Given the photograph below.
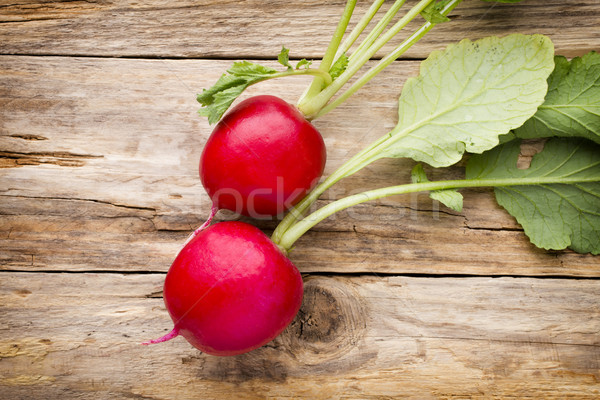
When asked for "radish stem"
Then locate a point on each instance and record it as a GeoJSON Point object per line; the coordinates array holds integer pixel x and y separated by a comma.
{"type": "Point", "coordinates": [387, 60]}
{"type": "Point", "coordinates": [317, 73]}
{"type": "Point", "coordinates": [347, 169]}
{"type": "Point", "coordinates": [365, 156]}
{"type": "Point", "coordinates": [295, 232]}
{"type": "Point", "coordinates": [312, 105]}
{"type": "Point", "coordinates": [376, 32]}
{"type": "Point", "coordinates": [336, 68]}
{"type": "Point", "coordinates": [317, 83]}
{"type": "Point", "coordinates": [359, 28]}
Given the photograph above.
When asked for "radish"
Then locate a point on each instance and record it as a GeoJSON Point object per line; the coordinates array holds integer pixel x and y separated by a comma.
{"type": "Point", "coordinates": [262, 158]}
{"type": "Point", "coordinates": [231, 290]}
{"type": "Point", "coordinates": [265, 155]}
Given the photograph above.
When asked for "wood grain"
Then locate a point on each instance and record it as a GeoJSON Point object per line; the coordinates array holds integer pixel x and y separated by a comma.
{"type": "Point", "coordinates": [101, 156]}
{"type": "Point", "coordinates": [255, 28]}
{"type": "Point", "coordinates": [99, 147]}
{"type": "Point", "coordinates": [355, 337]}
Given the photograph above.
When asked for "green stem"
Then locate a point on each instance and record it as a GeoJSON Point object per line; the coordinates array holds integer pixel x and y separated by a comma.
{"type": "Point", "coordinates": [308, 71]}
{"type": "Point", "coordinates": [359, 28]}
{"type": "Point", "coordinates": [356, 163]}
{"type": "Point", "coordinates": [345, 170]}
{"type": "Point", "coordinates": [317, 84]}
{"type": "Point", "coordinates": [398, 26]}
{"type": "Point", "coordinates": [365, 156]}
{"type": "Point", "coordinates": [329, 56]}
{"type": "Point", "coordinates": [310, 106]}
{"type": "Point", "coordinates": [386, 61]}
{"type": "Point", "coordinates": [295, 232]}
{"type": "Point", "coordinates": [376, 31]}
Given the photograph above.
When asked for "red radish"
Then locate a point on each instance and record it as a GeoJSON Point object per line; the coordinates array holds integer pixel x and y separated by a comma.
{"type": "Point", "coordinates": [231, 290]}
{"type": "Point", "coordinates": [262, 158]}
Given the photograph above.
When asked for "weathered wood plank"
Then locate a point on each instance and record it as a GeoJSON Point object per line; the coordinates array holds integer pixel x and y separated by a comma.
{"type": "Point", "coordinates": [255, 28]}
{"type": "Point", "coordinates": [100, 173]}
{"type": "Point", "coordinates": [76, 336]}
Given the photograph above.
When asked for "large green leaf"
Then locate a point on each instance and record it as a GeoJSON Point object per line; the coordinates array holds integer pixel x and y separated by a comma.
{"type": "Point", "coordinates": [557, 199]}
{"type": "Point", "coordinates": [468, 95]}
{"type": "Point", "coordinates": [572, 105]}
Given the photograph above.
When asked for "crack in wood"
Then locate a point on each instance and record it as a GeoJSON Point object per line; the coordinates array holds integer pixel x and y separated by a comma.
{"type": "Point", "coordinates": [25, 20]}
{"type": "Point", "coordinates": [33, 6]}
{"type": "Point", "coordinates": [155, 295]}
{"type": "Point", "coordinates": [306, 275]}
{"type": "Point", "coordinates": [495, 340]}
{"type": "Point", "coordinates": [494, 229]}
{"type": "Point", "coordinates": [26, 136]}
{"type": "Point", "coordinates": [422, 210]}
{"type": "Point", "coordinates": [75, 199]}
{"type": "Point", "coordinates": [11, 159]}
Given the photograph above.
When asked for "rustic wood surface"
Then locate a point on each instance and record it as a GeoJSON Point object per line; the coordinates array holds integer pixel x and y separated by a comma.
{"type": "Point", "coordinates": [355, 337]}
{"type": "Point", "coordinates": [99, 146]}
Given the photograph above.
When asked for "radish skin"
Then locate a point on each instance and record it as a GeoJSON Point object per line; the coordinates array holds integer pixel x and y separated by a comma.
{"type": "Point", "coordinates": [262, 158]}
{"type": "Point", "coordinates": [231, 290]}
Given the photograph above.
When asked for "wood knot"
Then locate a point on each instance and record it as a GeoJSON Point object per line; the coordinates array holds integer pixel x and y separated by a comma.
{"type": "Point", "coordinates": [320, 317]}
{"type": "Point", "coordinates": [22, 292]}
{"type": "Point", "coordinates": [330, 323]}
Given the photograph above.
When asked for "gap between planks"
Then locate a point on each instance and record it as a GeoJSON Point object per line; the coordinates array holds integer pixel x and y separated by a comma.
{"type": "Point", "coordinates": [254, 58]}
{"type": "Point", "coordinates": [324, 274]}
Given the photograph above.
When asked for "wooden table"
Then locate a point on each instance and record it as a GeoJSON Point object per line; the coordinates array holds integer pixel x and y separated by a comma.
{"type": "Point", "coordinates": [404, 298]}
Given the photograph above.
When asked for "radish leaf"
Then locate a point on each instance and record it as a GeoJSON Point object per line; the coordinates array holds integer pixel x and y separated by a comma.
{"type": "Point", "coordinates": [284, 58]}
{"type": "Point", "coordinates": [432, 13]}
{"type": "Point", "coordinates": [250, 70]}
{"type": "Point", "coordinates": [219, 97]}
{"type": "Point", "coordinates": [572, 105]}
{"type": "Point", "coordinates": [304, 63]}
{"type": "Point", "coordinates": [562, 212]}
{"type": "Point", "coordinates": [339, 66]}
{"type": "Point", "coordinates": [448, 197]}
{"type": "Point", "coordinates": [468, 95]}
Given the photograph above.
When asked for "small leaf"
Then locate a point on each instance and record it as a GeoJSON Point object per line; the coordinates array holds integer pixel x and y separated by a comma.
{"type": "Point", "coordinates": [221, 102]}
{"type": "Point", "coordinates": [339, 66]}
{"type": "Point", "coordinates": [418, 175]}
{"type": "Point", "coordinates": [207, 97]}
{"type": "Point", "coordinates": [432, 13]}
{"type": "Point", "coordinates": [217, 100]}
{"type": "Point", "coordinates": [304, 63]}
{"type": "Point", "coordinates": [284, 58]}
{"type": "Point", "coordinates": [448, 197]}
{"type": "Point", "coordinates": [248, 69]}
{"type": "Point", "coordinates": [468, 95]}
{"type": "Point", "coordinates": [562, 212]}
{"type": "Point", "coordinates": [572, 105]}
